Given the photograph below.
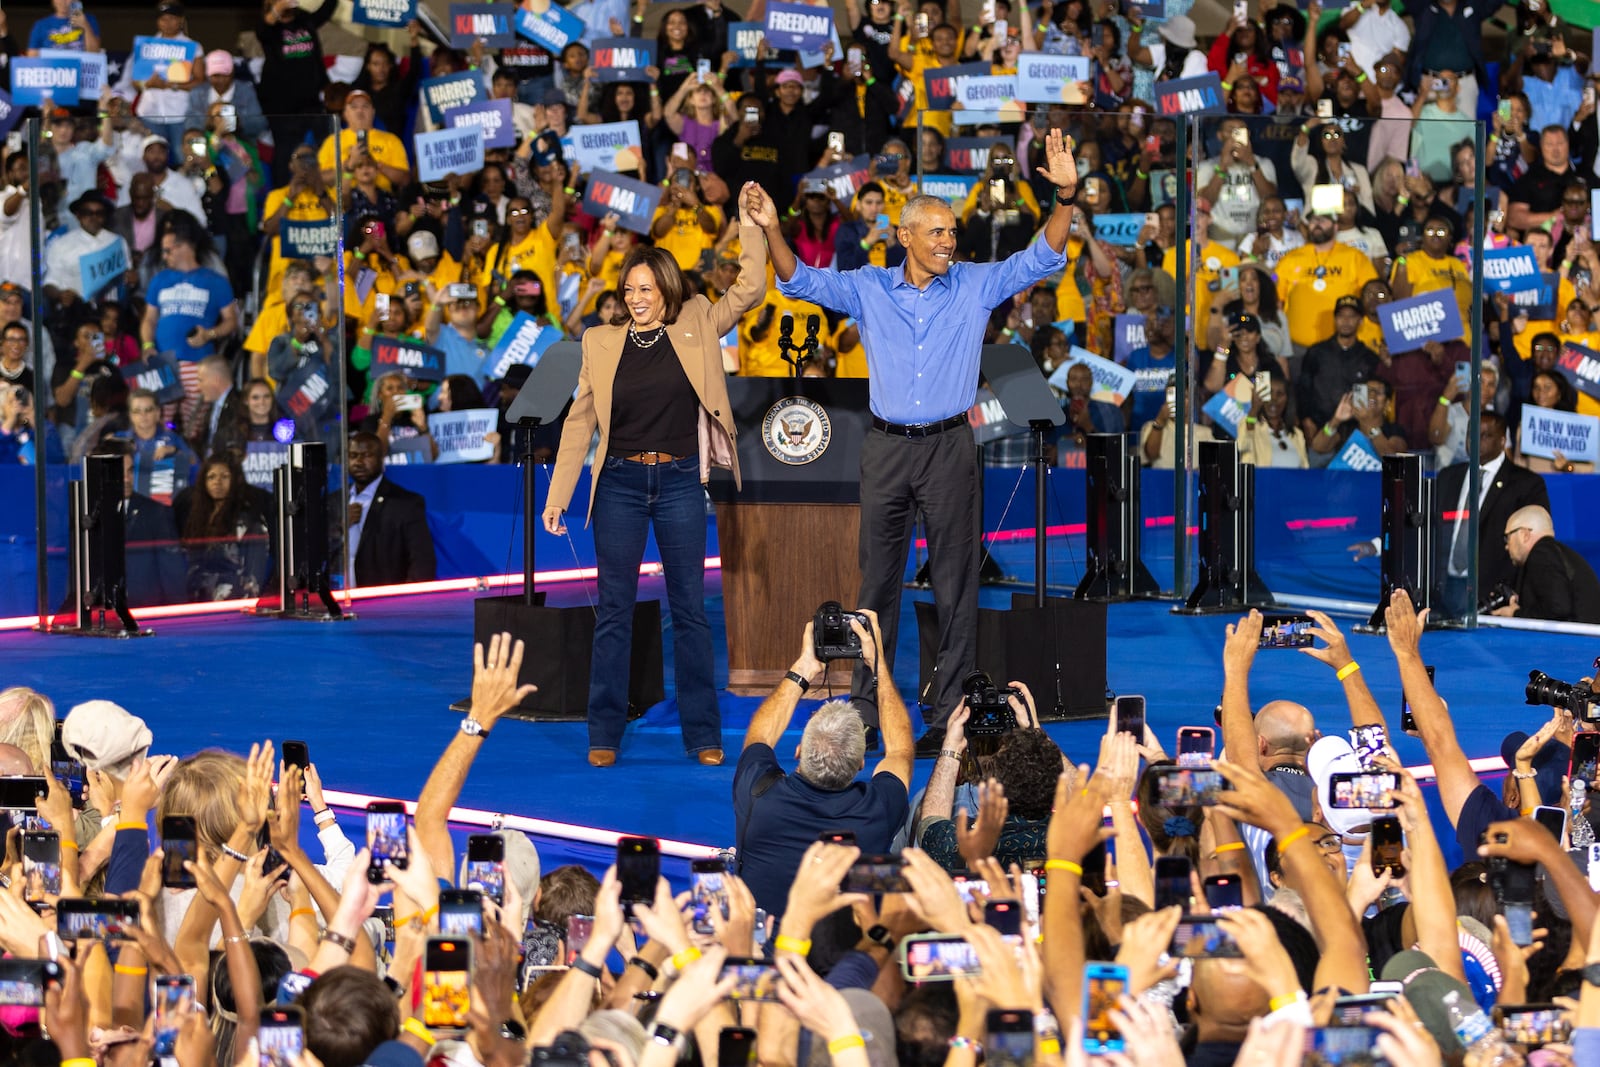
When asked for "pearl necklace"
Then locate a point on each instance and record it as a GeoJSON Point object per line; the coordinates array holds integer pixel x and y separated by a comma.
{"type": "Point", "coordinates": [633, 332]}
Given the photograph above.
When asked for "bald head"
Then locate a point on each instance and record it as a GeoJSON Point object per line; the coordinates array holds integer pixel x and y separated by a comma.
{"type": "Point", "coordinates": [1525, 528]}
{"type": "Point", "coordinates": [1224, 998]}
{"type": "Point", "coordinates": [1285, 729]}
{"type": "Point", "coordinates": [14, 761]}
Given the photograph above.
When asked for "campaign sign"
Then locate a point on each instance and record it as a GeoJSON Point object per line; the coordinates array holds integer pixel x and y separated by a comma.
{"type": "Point", "coordinates": [800, 26]}
{"type": "Point", "coordinates": [261, 458]}
{"type": "Point", "coordinates": [1127, 336]}
{"type": "Point", "coordinates": [622, 59]}
{"type": "Point", "coordinates": [595, 147]}
{"type": "Point", "coordinates": [409, 451]}
{"type": "Point", "coordinates": [1540, 303]}
{"type": "Point", "coordinates": [843, 179]}
{"type": "Point", "coordinates": [1119, 229]}
{"type": "Point", "coordinates": [1546, 431]}
{"type": "Point", "coordinates": [489, 23]}
{"type": "Point", "coordinates": [745, 38]}
{"type": "Point", "coordinates": [1113, 382]}
{"type": "Point", "coordinates": [307, 238]}
{"type": "Point", "coordinates": [819, 57]}
{"type": "Point", "coordinates": [1163, 187]}
{"type": "Point", "coordinates": [1357, 455]}
{"type": "Point", "coordinates": [1046, 79]}
{"type": "Point", "coordinates": [91, 69]}
{"type": "Point", "coordinates": [1407, 324]}
{"type": "Point", "coordinates": [524, 341]}
{"type": "Point", "coordinates": [459, 434]}
{"type": "Point", "coordinates": [987, 417]}
{"type": "Point", "coordinates": [102, 267]}
{"type": "Point", "coordinates": [1230, 404]}
{"type": "Point", "coordinates": [450, 90]}
{"type": "Point", "coordinates": [952, 187]}
{"type": "Point", "coordinates": [970, 155]}
{"type": "Point", "coordinates": [553, 29]}
{"type": "Point", "coordinates": [307, 394]}
{"type": "Point", "coordinates": [35, 80]}
{"type": "Point", "coordinates": [1582, 367]}
{"type": "Point", "coordinates": [9, 113]}
{"type": "Point", "coordinates": [991, 98]}
{"type": "Point", "coordinates": [422, 362]}
{"type": "Point", "coordinates": [1511, 270]}
{"type": "Point", "coordinates": [393, 14]}
{"type": "Point", "coordinates": [493, 117]}
{"type": "Point", "coordinates": [158, 373]}
{"type": "Point", "coordinates": [943, 84]}
{"type": "Point", "coordinates": [153, 56]}
{"type": "Point", "coordinates": [1200, 95]}
{"type": "Point", "coordinates": [633, 201]}
{"type": "Point", "coordinates": [445, 152]}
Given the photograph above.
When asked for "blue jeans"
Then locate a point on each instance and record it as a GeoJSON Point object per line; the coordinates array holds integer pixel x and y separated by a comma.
{"type": "Point", "coordinates": [628, 498]}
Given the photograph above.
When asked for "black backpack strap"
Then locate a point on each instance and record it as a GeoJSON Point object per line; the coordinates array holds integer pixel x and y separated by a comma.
{"type": "Point", "coordinates": [757, 791]}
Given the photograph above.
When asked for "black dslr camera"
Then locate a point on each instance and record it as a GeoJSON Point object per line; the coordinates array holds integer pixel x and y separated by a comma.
{"type": "Point", "coordinates": [989, 711]}
{"type": "Point", "coordinates": [1575, 697]}
{"type": "Point", "coordinates": [831, 635]}
{"type": "Point", "coordinates": [1497, 598]}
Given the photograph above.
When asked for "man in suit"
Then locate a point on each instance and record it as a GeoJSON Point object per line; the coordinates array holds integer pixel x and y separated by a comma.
{"type": "Point", "coordinates": [1553, 581]}
{"type": "Point", "coordinates": [138, 222]}
{"type": "Point", "coordinates": [223, 403]}
{"type": "Point", "coordinates": [389, 539]}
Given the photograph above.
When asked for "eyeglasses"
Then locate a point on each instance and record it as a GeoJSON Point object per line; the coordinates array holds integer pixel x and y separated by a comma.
{"type": "Point", "coordinates": [1328, 135]}
{"type": "Point", "coordinates": [1575, 201]}
{"type": "Point", "coordinates": [516, 211]}
{"type": "Point", "coordinates": [1330, 844]}
{"type": "Point", "coordinates": [1506, 537]}
{"type": "Point", "coordinates": [1436, 233]}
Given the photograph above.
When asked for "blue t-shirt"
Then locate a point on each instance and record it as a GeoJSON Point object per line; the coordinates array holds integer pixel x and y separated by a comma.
{"type": "Point", "coordinates": [461, 355]}
{"type": "Point", "coordinates": [53, 31]}
{"type": "Point", "coordinates": [1150, 388]}
{"type": "Point", "coordinates": [186, 299]}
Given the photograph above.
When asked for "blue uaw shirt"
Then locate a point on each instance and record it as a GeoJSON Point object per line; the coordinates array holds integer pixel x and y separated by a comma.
{"type": "Point", "coordinates": [923, 345]}
{"type": "Point", "coordinates": [187, 299]}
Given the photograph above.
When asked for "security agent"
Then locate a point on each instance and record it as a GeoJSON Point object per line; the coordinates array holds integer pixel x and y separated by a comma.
{"type": "Point", "coordinates": [1553, 581]}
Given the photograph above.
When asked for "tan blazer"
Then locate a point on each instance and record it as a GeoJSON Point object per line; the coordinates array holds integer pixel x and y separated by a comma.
{"type": "Point", "coordinates": [697, 338]}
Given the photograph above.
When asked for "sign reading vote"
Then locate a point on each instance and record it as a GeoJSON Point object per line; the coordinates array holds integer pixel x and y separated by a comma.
{"type": "Point", "coordinates": [1546, 431]}
{"type": "Point", "coordinates": [1121, 230]}
{"type": "Point", "coordinates": [552, 29]}
{"type": "Point", "coordinates": [460, 434]}
{"type": "Point", "coordinates": [943, 84]}
{"type": "Point", "coordinates": [308, 238]}
{"type": "Point", "coordinates": [157, 372]}
{"type": "Point", "coordinates": [622, 59]}
{"type": "Point", "coordinates": [1511, 270]}
{"type": "Point", "coordinates": [970, 155]}
{"type": "Point", "coordinates": [493, 117]}
{"type": "Point", "coordinates": [595, 147]}
{"type": "Point", "coordinates": [1127, 336]}
{"type": "Point", "coordinates": [1200, 95]}
{"type": "Point", "coordinates": [91, 69]}
{"type": "Point", "coordinates": [1582, 367]}
{"type": "Point", "coordinates": [33, 81]}
{"type": "Point", "coordinates": [1407, 324]}
{"type": "Point", "coordinates": [744, 38]}
{"type": "Point", "coordinates": [154, 56]}
{"type": "Point", "coordinates": [799, 26]}
{"type": "Point", "coordinates": [951, 187]}
{"type": "Point", "coordinates": [393, 14]}
{"type": "Point", "coordinates": [489, 23]}
{"type": "Point", "coordinates": [1113, 382]}
{"type": "Point", "coordinates": [450, 90]}
{"type": "Point", "coordinates": [446, 152]}
{"type": "Point", "coordinates": [102, 267]}
{"type": "Point", "coordinates": [524, 341]}
{"type": "Point", "coordinates": [633, 201]}
{"type": "Point", "coordinates": [411, 357]}
{"type": "Point", "coordinates": [842, 179]}
{"type": "Point", "coordinates": [1048, 79]}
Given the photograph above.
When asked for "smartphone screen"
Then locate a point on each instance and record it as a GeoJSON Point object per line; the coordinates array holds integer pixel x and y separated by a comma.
{"type": "Point", "coordinates": [876, 874]}
{"type": "Point", "coordinates": [486, 866]}
{"type": "Point", "coordinates": [1130, 716]}
{"type": "Point", "coordinates": [756, 979]}
{"type": "Point", "coordinates": [1533, 1025]}
{"type": "Point", "coordinates": [22, 793]}
{"type": "Point", "coordinates": [386, 838]}
{"type": "Point", "coordinates": [97, 920]}
{"type": "Point", "coordinates": [174, 1000]}
{"type": "Point", "coordinates": [1408, 721]}
{"type": "Point", "coordinates": [1586, 756]}
{"type": "Point", "coordinates": [41, 865]}
{"type": "Point", "coordinates": [1196, 745]}
{"type": "Point", "coordinates": [1010, 1042]}
{"type": "Point", "coordinates": [579, 930]}
{"type": "Point", "coordinates": [1551, 818]}
{"type": "Point", "coordinates": [937, 958]}
{"type": "Point", "coordinates": [177, 847]}
{"type": "Point", "coordinates": [1004, 916]}
{"type": "Point", "coordinates": [638, 867]}
{"type": "Point", "coordinates": [296, 754]}
{"type": "Point", "coordinates": [1519, 919]}
{"type": "Point", "coordinates": [445, 998]}
{"type": "Point", "coordinates": [281, 1036]}
{"type": "Point", "coordinates": [1182, 787]}
{"type": "Point", "coordinates": [736, 1047]}
{"type": "Point", "coordinates": [1224, 891]}
{"type": "Point", "coordinates": [706, 892]}
{"type": "Point", "coordinates": [1103, 984]}
{"type": "Point", "coordinates": [1339, 1045]}
{"type": "Point", "coordinates": [461, 913]}
{"type": "Point", "coordinates": [1199, 937]}
{"type": "Point", "coordinates": [1387, 841]}
{"type": "Point", "coordinates": [1362, 789]}
{"type": "Point", "coordinates": [1286, 631]}
{"type": "Point", "coordinates": [1172, 882]}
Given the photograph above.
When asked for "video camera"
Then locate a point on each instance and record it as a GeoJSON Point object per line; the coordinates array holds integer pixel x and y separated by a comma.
{"type": "Point", "coordinates": [1576, 697]}
{"type": "Point", "coordinates": [990, 713]}
{"type": "Point", "coordinates": [831, 635]}
{"type": "Point", "coordinates": [1496, 598]}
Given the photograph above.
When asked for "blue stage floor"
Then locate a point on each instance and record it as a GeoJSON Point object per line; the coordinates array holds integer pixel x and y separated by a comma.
{"type": "Point", "coordinates": [371, 697]}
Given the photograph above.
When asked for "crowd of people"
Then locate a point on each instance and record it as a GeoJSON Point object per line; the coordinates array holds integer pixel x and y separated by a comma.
{"type": "Point", "coordinates": [1025, 905]}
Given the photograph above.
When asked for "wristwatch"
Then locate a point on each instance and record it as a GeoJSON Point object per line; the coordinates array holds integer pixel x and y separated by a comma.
{"type": "Point", "coordinates": [514, 1030]}
{"type": "Point", "coordinates": [662, 1034]}
{"type": "Point", "coordinates": [473, 728]}
{"type": "Point", "coordinates": [879, 935]}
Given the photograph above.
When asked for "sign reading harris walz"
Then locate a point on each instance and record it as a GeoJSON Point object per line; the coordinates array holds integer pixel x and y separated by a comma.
{"type": "Point", "coordinates": [1200, 95]}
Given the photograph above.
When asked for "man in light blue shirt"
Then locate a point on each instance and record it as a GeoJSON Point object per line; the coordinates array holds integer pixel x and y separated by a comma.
{"type": "Point", "coordinates": [598, 16]}
{"type": "Point", "coordinates": [922, 325]}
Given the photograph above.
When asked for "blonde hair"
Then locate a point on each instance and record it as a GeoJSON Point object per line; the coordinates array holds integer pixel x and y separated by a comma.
{"type": "Point", "coordinates": [28, 721]}
{"type": "Point", "coordinates": [206, 786]}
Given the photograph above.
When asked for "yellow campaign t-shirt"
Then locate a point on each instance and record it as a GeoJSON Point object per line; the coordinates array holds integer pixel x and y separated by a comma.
{"type": "Point", "coordinates": [850, 361]}
{"type": "Point", "coordinates": [535, 252]}
{"type": "Point", "coordinates": [382, 145]}
{"type": "Point", "coordinates": [762, 359]}
{"type": "Point", "coordinates": [306, 208]}
{"type": "Point", "coordinates": [387, 281]}
{"type": "Point", "coordinates": [924, 60]}
{"type": "Point", "coordinates": [1428, 274]}
{"type": "Point", "coordinates": [1309, 309]}
{"type": "Point", "coordinates": [1207, 279]}
{"type": "Point", "coordinates": [1370, 333]}
{"type": "Point", "coordinates": [687, 238]}
{"type": "Point", "coordinates": [1022, 193]}
{"type": "Point", "coordinates": [894, 200]}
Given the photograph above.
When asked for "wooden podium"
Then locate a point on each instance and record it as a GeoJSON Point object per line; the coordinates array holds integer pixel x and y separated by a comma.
{"type": "Point", "coordinates": [789, 538]}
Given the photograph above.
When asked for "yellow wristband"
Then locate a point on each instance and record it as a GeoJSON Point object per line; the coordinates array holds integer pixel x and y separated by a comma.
{"type": "Point", "coordinates": [1231, 846]}
{"type": "Point", "coordinates": [132, 826]}
{"type": "Point", "coordinates": [1049, 1046]}
{"type": "Point", "coordinates": [1283, 846]}
{"type": "Point", "coordinates": [70, 844]}
{"type": "Point", "coordinates": [1064, 865]}
{"type": "Point", "coordinates": [415, 1028]}
{"type": "Point", "coordinates": [313, 913]}
{"type": "Point", "coordinates": [1278, 1003]}
{"type": "Point", "coordinates": [785, 943]}
{"type": "Point", "coordinates": [839, 1044]}
{"type": "Point", "coordinates": [680, 960]}
{"type": "Point", "coordinates": [137, 972]}
{"type": "Point", "coordinates": [81, 1061]}
{"type": "Point", "coordinates": [1347, 670]}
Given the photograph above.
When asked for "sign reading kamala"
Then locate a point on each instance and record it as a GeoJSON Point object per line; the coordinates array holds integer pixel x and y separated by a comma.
{"type": "Point", "coordinates": [489, 23]}
{"type": "Point", "coordinates": [1540, 302]}
{"type": "Point", "coordinates": [152, 56]}
{"type": "Point", "coordinates": [943, 84]}
{"type": "Point", "coordinates": [1546, 431]}
{"type": "Point", "coordinates": [158, 372]}
{"type": "Point", "coordinates": [9, 113]}
{"type": "Point", "coordinates": [1200, 95]}
{"type": "Point", "coordinates": [1582, 367]}
{"type": "Point", "coordinates": [595, 147]}
{"type": "Point", "coordinates": [951, 187]}
{"type": "Point", "coordinates": [1511, 270]}
{"type": "Point", "coordinates": [91, 69]}
{"type": "Point", "coordinates": [493, 117]}
{"type": "Point", "coordinates": [634, 202]}
{"type": "Point", "coordinates": [745, 38]}
{"type": "Point", "coordinates": [420, 361]}
{"type": "Point", "coordinates": [970, 155]}
{"type": "Point", "coordinates": [460, 434]}
{"type": "Point", "coordinates": [306, 394]}
{"type": "Point", "coordinates": [1407, 324]}
{"type": "Point", "coordinates": [451, 90]}
{"type": "Point", "coordinates": [101, 268]}
{"type": "Point", "coordinates": [622, 59]}
{"type": "Point", "coordinates": [801, 26]}
{"type": "Point", "coordinates": [843, 179]}
{"type": "Point", "coordinates": [307, 238]}
{"type": "Point", "coordinates": [524, 341]}
{"type": "Point", "coordinates": [35, 80]}
{"type": "Point", "coordinates": [445, 152]}
{"type": "Point", "coordinates": [391, 13]}
{"type": "Point", "coordinates": [1047, 79]}
{"type": "Point", "coordinates": [1357, 455]}
{"type": "Point", "coordinates": [552, 29]}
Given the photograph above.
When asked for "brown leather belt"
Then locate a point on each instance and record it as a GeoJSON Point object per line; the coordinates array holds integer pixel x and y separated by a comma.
{"type": "Point", "coordinates": [652, 459]}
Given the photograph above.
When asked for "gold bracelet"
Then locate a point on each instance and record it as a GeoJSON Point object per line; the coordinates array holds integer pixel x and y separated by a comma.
{"type": "Point", "coordinates": [1283, 846]}
{"type": "Point", "coordinates": [1347, 670]}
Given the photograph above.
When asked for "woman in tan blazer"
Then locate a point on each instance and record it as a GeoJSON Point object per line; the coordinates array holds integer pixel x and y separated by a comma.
{"type": "Point", "coordinates": [652, 385]}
